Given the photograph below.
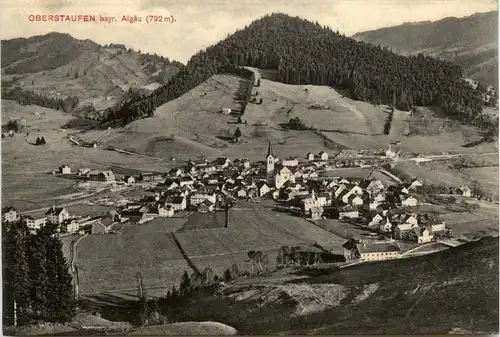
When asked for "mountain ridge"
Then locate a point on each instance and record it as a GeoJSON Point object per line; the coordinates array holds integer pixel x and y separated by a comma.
{"type": "Point", "coordinates": [57, 65]}
{"type": "Point", "coordinates": [470, 42]}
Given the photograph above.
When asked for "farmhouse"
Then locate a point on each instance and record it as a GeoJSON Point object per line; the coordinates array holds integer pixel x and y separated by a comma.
{"type": "Point", "coordinates": [103, 176]}
{"type": "Point", "coordinates": [129, 180]}
{"type": "Point", "coordinates": [65, 169]}
{"type": "Point", "coordinates": [377, 251]}
{"type": "Point", "coordinates": [226, 111]}
{"type": "Point", "coordinates": [290, 162]}
{"type": "Point", "coordinates": [402, 230]}
{"type": "Point", "coordinates": [34, 223]}
{"type": "Point", "coordinates": [222, 163]}
{"type": "Point", "coordinates": [420, 235]}
{"type": "Point", "coordinates": [177, 203]}
{"type": "Point", "coordinates": [414, 184]}
{"type": "Point", "coordinates": [351, 214]}
{"type": "Point", "coordinates": [316, 213]}
{"type": "Point", "coordinates": [83, 172]}
{"type": "Point", "coordinates": [150, 176]}
{"type": "Point", "coordinates": [323, 155]}
{"type": "Point", "coordinates": [9, 214]}
{"type": "Point", "coordinates": [262, 188]}
{"type": "Point", "coordinates": [69, 226]}
{"type": "Point", "coordinates": [437, 228]}
{"type": "Point", "coordinates": [206, 206]}
{"type": "Point", "coordinates": [409, 202]}
{"type": "Point", "coordinates": [310, 156]}
{"type": "Point", "coordinates": [57, 215]}
{"type": "Point", "coordinates": [165, 212]}
{"type": "Point", "coordinates": [198, 198]}
{"type": "Point", "coordinates": [282, 175]}
{"type": "Point", "coordinates": [466, 191]}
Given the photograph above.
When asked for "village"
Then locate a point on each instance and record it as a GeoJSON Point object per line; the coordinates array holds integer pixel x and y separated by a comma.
{"type": "Point", "coordinates": [302, 188]}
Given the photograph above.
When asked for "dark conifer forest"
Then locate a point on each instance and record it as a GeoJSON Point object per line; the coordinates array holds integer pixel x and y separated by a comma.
{"type": "Point", "coordinates": [36, 280]}
{"type": "Point", "coordinates": [304, 52]}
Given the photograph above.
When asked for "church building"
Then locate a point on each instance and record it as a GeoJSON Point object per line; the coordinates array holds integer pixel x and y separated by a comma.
{"type": "Point", "coordinates": [277, 175]}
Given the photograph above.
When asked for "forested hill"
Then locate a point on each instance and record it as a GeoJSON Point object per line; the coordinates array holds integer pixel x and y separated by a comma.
{"type": "Point", "coordinates": [471, 42]}
{"type": "Point", "coordinates": [304, 52]}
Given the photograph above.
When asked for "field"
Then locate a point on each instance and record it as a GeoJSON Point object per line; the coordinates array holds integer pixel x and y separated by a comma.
{"type": "Point", "coordinates": [109, 263]}
{"type": "Point", "coordinates": [472, 226]}
{"type": "Point", "coordinates": [487, 177]}
{"type": "Point", "coordinates": [253, 228]}
{"type": "Point", "coordinates": [26, 179]}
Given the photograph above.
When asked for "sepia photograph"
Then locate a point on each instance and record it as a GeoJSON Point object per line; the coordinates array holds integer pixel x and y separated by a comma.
{"type": "Point", "coordinates": [249, 167]}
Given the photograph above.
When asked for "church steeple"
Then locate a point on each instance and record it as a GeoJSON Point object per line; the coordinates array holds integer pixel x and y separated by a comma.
{"type": "Point", "coordinates": [269, 150]}
{"type": "Point", "coordinates": [270, 165]}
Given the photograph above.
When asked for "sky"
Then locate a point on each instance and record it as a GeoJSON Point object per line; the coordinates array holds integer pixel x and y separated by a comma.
{"type": "Point", "coordinates": [201, 23]}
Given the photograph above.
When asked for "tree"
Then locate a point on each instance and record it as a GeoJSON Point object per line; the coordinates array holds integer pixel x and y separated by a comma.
{"type": "Point", "coordinates": [227, 275]}
{"type": "Point", "coordinates": [237, 133]}
{"type": "Point", "coordinates": [76, 75]}
{"type": "Point", "coordinates": [15, 274]}
{"type": "Point", "coordinates": [185, 285]}
{"type": "Point", "coordinates": [235, 270]}
{"type": "Point", "coordinates": [208, 274]}
{"type": "Point", "coordinates": [60, 296]}
{"type": "Point", "coordinates": [42, 141]}
{"type": "Point", "coordinates": [239, 120]}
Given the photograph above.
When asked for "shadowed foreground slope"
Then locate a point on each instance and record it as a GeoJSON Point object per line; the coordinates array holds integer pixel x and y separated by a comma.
{"type": "Point", "coordinates": [454, 290]}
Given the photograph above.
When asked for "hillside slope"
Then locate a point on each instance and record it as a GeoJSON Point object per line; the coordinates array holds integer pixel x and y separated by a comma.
{"type": "Point", "coordinates": [450, 291]}
{"type": "Point", "coordinates": [303, 52]}
{"type": "Point", "coordinates": [471, 42]}
{"type": "Point", "coordinates": [58, 65]}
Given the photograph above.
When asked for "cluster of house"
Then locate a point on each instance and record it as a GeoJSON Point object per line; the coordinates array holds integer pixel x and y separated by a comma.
{"type": "Point", "coordinates": [66, 223]}
{"type": "Point", "coordinates": [106, 176]}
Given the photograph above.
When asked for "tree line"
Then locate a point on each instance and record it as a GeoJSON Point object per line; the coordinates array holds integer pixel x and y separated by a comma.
{"type": "Point", "coordinates": [26, 97]}
{"type": "Point", "coordinates": [36, 280]}
{"type": "Point", "coordinates": [199, 69]}
{"type": "Point", "coordinates": [304, 52]}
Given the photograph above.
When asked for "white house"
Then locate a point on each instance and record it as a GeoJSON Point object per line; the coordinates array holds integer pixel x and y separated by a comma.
{"type": "Point", "coordinates": [415, 183]}
{"type": "Point", "coordinates": [290, 161]}
{"type": "Point", "coordinates": [165, 212]}
{"type": "Point", "coordinates": [9, 214]}
{"type": "Point", "coordinates": [282, 175]}
{"type": "Point", "coordinates": [440, 227]}
{"type": "Point", "coordinates": [198, 198]}
{"type": "Point", "coordinates": [316, 212]}
{"type": "Point", "coordinates": [65, 169]}
{"type": "Point", "coordinates": [323, 155]}
{"type": "Point", "coordinates": [410, 219]}
{"type": "Point", "coordinates": [35, 223]}
{"type": "Point", "coordinates": [263, 188]}
{"type": "Point", "coordinates": [57, 215]}
{"type": "Point", "coordinates": [226, 111]}
{"type": "Point", "coordinates": [420, 235]}
{"type": "Point", "coordinates": [129, 180]}
{"type": "Point", "coordinates": [409, 202]}
{"type": "Point", "coordinates": [70, 226]}
{"type": "Point", "coordinates": [310, 156]}
{"type": "Point", "coordinates": [375, 220]}
{"type": "Point", "coordinates": [355, 200]}
{"type": "Point", "coordinates": [348, 214]}
{"type": "Point", "coordinates": [324, 199]}
{"type": "Point", "coordinates": [310, 202]}
{"type": "Point", "coordinates": [177, 203]}
{"type": "Point", "coordinates": [466, 191]}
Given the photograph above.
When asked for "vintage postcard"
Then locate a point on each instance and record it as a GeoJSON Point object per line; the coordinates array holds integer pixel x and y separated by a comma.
{"type": "Point", "coordinates": [217, 167]}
